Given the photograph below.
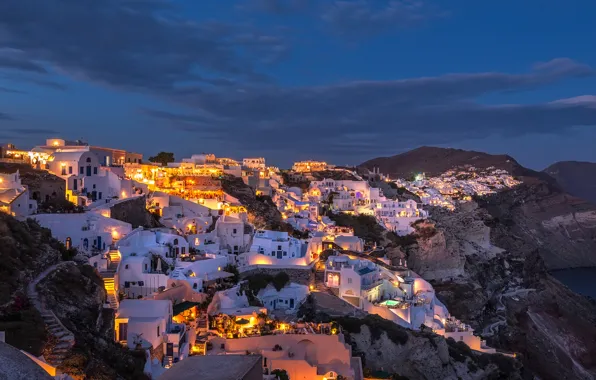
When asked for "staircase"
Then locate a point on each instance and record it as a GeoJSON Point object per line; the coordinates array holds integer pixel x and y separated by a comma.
{"type": "Point", "coordinates": [65, 339]}
{"type": "Point", "coordinates": [108, 278]}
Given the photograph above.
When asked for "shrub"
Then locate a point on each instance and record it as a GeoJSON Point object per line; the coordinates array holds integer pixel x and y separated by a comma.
{"type": "Point", "coordinates": [280, 280]}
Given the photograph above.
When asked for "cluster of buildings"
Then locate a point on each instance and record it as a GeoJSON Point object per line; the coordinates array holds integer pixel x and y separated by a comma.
{"type": "Point", "coordinates": [458, 185]}
{"type": "Point", "coordinates": [158, 279]}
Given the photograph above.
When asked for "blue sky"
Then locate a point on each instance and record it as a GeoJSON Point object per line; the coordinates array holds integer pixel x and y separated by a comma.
{"type": "Point", "coordinates": [343, 81]}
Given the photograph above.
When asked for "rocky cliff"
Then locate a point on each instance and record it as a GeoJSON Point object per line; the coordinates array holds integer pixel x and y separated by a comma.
{"type": "Point", "coordinates": [489, 263]}
{"type": "Point", "coordinates": [576, 178]}
{"type": "Point", "coordinates": [405, 354]}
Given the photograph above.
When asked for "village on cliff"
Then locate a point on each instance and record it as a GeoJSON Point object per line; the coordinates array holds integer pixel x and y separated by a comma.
{"type": "Point", "coordinates": [236, 251]}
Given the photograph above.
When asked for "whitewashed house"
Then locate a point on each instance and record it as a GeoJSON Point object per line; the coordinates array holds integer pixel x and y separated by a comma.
{"type": "Point", "coordinates": [398, 216]}
{"type": "Point", "coordinates": [148, 324]}
{"type": "Point", "coordinates": [14, 196]}
{"type": "Point", "coordinates": [87, 181]}
{"type": "Point", "coordinates": [89, 233]}
{"type": "Point", "coordinates": [232, 234]}
{"type": "Point", "coordinates": [290, 297]}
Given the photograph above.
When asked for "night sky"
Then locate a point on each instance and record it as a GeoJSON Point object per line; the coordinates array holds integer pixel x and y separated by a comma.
{"type": "Point", "coordinates": [343, 81]}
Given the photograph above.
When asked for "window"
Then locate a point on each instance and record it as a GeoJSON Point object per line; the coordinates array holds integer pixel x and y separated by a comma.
{"type": "Point", "coordinates": [141, 283]}
{"type": "Point", "coordinates": [158, 331]}
{"type": "Point", "coordinates": [234, 231]}
{"type": "Point", "coordinates": [183, 250]}
{"type": "Point", "coordinates": [70, 170]}
{"type": "Point", "coordinates": [64, 170]}
{"type": "Point", "coordinates": [95, 170]}
{"type": "Point", "coordinates": [126, 266]}
{"type": "Point", "coordinates": [94, 186]}
{"type": "Point", "coordinates": [349, 280]}
{"type": "Point", "coordinates": [175, 241]}
{"type": "Point", "coordinates": [279, 247]}
{"type": "Point", "coordinates": [126, 284]}
{"type": "Point", "coordinates": [81, 170]}
{"type": "Point", "coordinates": [88, 159]}
{"type": "Point", "coordinates": [145, 266]}
{"type": "Point", "coordinates": [285, 253]}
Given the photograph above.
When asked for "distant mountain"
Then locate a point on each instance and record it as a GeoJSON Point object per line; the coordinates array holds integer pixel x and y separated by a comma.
{"type": "Point", "coordinates": [576, 178]}
{"type": "Point", "coordinates": [434, 161]}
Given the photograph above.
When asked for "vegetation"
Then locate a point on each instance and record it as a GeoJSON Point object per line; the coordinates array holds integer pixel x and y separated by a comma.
{"type": "Point", "coordinates": [280, 374]}
{"type": "Point", "coordinates": [377, 327]}
{"type": "Point", "coordinates": [234, 270]}
{"type": "Point", "coordinates": [162, 158]}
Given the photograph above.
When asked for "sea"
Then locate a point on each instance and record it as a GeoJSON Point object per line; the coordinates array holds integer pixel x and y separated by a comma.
{"type": "Point", "coordinates": [580, 280]}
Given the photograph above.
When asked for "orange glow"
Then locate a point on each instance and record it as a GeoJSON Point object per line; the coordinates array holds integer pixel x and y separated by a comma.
{"type": "Point", "coordinates": [115, 234]}
{"type": "Point", "coordinates": [55, 143]}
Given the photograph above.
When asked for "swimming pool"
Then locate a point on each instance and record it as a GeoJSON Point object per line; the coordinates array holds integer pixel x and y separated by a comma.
{"type": "Point", "coordinates": [390, 303]}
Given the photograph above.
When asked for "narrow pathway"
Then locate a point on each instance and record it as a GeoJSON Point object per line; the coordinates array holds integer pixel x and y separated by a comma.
{"type": "Point", "coordinates": [108, 279]}
{"type": "Point", "coordinates": [64, 337]}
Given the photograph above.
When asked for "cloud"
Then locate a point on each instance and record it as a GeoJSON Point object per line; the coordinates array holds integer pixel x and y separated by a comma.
{"type": "Point", "coordinates": [365, 117]}
{"type": "Point", "coordinates": [5, 116]}
{"type": "Point", "coordinates": [278, 6]}
{"type": "Point", "coordinates": [19, 63]}
{"type": "Point", "coordinates": [31, 131]}
{"type": "Point", "coordinates": [361, 18]}
{"type": "Point", "coordinates": [11, 90]}
{"type": "Point", "coordinates": [134, 45]}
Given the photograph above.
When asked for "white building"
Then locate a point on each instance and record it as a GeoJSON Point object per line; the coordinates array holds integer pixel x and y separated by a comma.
{"type": "Point", "coordinates": [89, 233]}
{"type": "Point", "coordinates": [398, 216]}
{"type": "Point", "coordinates": [14, 196]}
{"type": "Point", "coordinates": [148, 324]}
{"type": "Point", "coordinates": [277, 244]}
{"type": "Point", "coordinates": [232, 235]}
{"type": "Point", "coordinates": [257, 163]}
{"type": "Point", "coordinates": [290, 297]}
{"type": "Point", "coordinates": [86, 180]}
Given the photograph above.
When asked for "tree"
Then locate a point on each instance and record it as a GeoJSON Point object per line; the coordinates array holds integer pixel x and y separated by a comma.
{"type": "Point", "coordinates": [163, 158]}
{"type": "Point", "coordinates": [281, 374]}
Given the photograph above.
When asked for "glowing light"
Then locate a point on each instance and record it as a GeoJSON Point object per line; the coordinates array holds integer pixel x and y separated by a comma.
{"type": "Point", "coordinates": [219, 268]}
{"type": "Point", "coordinates": [115, 234]}
{"type": "Point", "coordinates": [123, 194]}
{"type": "Point", "coordinates": [312, 287]}
{"type": "Point", "coordinates": [55, 143]}
{"type": "Point", "coordinates": [63, 164]}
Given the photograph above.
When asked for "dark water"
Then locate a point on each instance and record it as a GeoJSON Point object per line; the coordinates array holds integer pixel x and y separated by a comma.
{"type": "Point", "coordinates": [580, 280]}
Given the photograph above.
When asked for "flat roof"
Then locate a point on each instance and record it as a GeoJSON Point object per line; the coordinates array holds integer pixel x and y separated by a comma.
{"type": "Point", "coordinates": [212, 367]}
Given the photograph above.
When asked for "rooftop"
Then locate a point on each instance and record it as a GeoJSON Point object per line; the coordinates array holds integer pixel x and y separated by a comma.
{"type": "Point", "coordinates": [213, 367]}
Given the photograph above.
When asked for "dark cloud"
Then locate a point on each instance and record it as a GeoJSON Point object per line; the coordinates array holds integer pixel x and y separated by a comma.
{"type": "Point", "coordinates": [367, 116]}
{"type": "Point", "coordinates": [31, 131]}
{"type": "Point", "coordinates": [19, 63]}
{"type": "Point", "coordinates": [11, 90]}
{"type": "Point", "coordinates": [360, 18]}
{"type": "Point", "coordinates": [278, 6]}
{"type": "Point", "coordinates": [138, 45]}
{"type": "Point", "coordinates": [5, 116]}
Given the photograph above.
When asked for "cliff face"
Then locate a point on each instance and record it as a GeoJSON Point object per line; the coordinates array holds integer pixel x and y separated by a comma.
{"type": "Point", "coordinates": [489, 262]}
{"type": "Point", "coordinates": [384, 346]}
{"type": "Point", "coordinates": [576, 178]}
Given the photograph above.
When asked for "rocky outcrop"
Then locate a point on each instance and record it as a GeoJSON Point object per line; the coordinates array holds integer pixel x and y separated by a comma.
{"type": "Point", "coordinates": [262, 212]}
{"type": "Point", "coordinates": [504, 290]}
{"type": "Point", "coordinates": [134, 211]}
{"type": "Point", "coordinates": [385, 346]}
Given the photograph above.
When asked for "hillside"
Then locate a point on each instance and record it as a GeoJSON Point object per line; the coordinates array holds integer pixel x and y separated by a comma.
{"type": "Point", "coordinates": [433, 161]}
{"type": "Point", "coordinates": [576, 178]}
{"type": "Point", "coordinates": [489, 260]}
{"type": "Point", "coordinates": [29, 256]}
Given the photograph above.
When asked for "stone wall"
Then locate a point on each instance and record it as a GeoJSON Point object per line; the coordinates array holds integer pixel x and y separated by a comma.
{"type": "Point", "coordinates": [133, 211]}
{"type": "Point", "coordinates": [304, 276]}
